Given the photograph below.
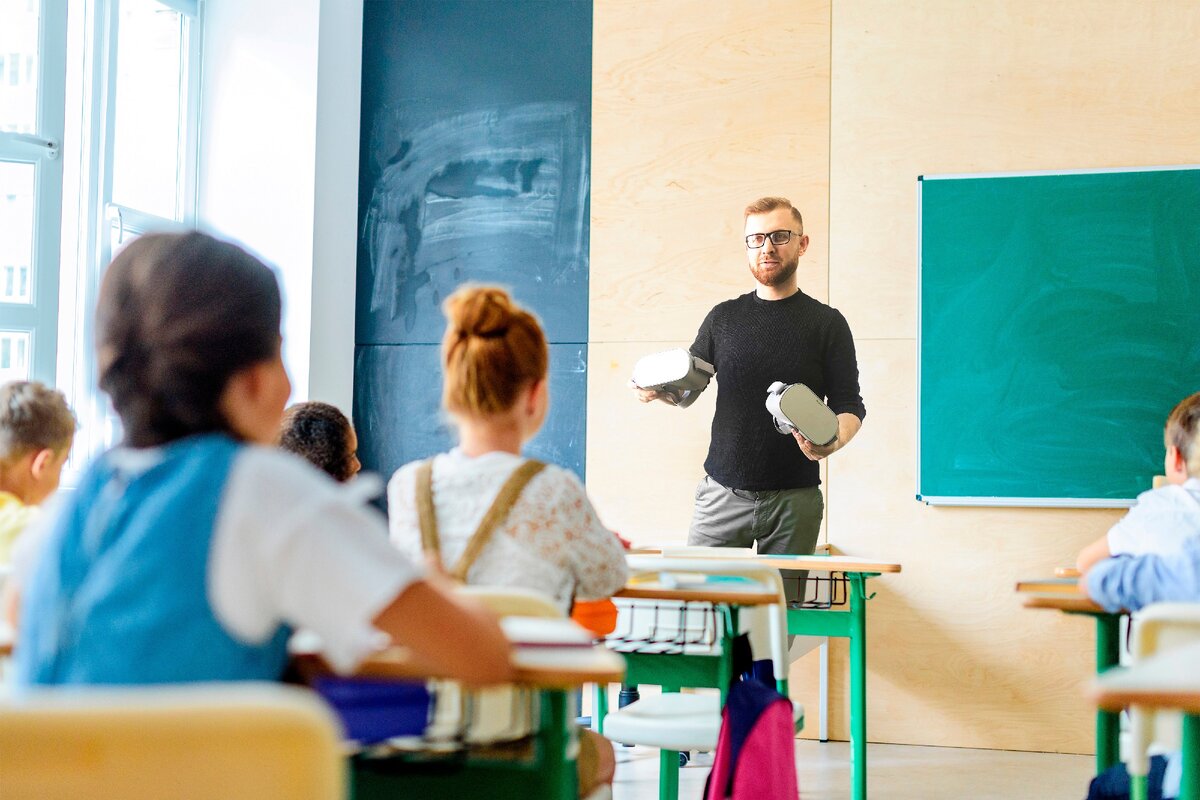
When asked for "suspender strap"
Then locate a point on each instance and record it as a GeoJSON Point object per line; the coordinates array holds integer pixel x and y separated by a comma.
{"type": "Point", "coordinates": [425, 513]}
{"type": "Point", "coordinates": [495, 515]}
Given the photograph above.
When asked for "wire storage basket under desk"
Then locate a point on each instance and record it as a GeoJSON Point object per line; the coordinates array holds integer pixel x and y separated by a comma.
{"type": "Point", "coordinates": [666, 627]}
{"type": "Point", "coordinates": [823, 590]}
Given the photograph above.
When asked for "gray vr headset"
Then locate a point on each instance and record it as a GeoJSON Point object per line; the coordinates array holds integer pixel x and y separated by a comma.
{"type": "Point", "coordinates": [676, 373]}
{"type": "Point", "coordinates": [795, 408]}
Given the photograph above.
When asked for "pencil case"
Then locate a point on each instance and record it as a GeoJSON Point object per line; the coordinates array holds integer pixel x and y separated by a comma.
{"type": "Point", "coordinates": [374, 710]}
{"type": "Point", "coordinates": [794, 407]}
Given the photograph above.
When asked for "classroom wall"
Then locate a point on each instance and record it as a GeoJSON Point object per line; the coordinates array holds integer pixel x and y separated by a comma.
{"type": "Point", "coordinates": [840, 107]}
{"type": "Point", "coordinates": [278, 166]}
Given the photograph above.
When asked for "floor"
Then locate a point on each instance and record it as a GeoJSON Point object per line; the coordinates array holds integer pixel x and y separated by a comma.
{"type": "Point", "coordinates": [896, 772]}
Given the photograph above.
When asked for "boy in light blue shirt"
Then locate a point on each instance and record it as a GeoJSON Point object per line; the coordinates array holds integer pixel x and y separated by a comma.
{"type": "Point", "coordinates": [1129, 582]}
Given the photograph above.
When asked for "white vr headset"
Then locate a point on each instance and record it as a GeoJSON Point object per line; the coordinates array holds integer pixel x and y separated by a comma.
{"type": "Point", "coordinates": [795, 408]}
{"type": "Point", "coordinates": [676, 373]}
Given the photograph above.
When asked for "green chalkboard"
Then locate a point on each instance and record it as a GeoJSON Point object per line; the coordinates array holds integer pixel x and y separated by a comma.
{"type": "Point", "coordinates": [1059, 324]}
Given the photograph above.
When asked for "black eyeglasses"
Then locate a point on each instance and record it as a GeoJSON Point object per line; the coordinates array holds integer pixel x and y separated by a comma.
{"type": "Point", "coordinates": [757, 240]}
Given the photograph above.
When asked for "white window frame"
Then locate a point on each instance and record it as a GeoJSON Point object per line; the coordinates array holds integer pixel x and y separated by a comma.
{"type": "Point", "coordinates": [99, 216]}
{"type": "Point", "coordinates": [43, 149]}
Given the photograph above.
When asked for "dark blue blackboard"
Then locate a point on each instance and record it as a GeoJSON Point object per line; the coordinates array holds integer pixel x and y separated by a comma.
{"type": "Point", "coordinates": [474, 166]}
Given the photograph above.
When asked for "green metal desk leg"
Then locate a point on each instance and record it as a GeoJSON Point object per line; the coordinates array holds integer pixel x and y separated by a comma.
{"type": "Point", "coordinates": [1189, 788]}
{"type": "Point", "coordinates": [858, 685]}
{"type": "Point", "coordinates": [1108, 726]}
{"type": "Point", "coordinates": [599, 707]}
{"type": "Point", "coordinates": [561, 778]}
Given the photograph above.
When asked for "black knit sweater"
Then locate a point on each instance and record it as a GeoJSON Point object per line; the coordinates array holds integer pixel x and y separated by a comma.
{"type": "Point", "coordinates": [753, 343]}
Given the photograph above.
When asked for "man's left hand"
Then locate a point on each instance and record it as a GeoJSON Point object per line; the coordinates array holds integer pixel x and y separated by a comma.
{"type": "Point", "coordinates": [815, 452]}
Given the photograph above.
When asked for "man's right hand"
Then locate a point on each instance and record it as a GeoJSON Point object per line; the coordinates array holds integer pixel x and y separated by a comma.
{"type": "Point", "coordinates": [646, 395]}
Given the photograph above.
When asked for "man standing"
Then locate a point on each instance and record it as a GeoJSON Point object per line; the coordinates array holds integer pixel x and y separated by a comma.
{"type": "Point", "coordinates": [761, 487]}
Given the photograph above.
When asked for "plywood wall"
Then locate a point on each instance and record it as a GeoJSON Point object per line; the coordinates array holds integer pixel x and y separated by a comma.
{"type": "Point", "coordinates": [700, 106]}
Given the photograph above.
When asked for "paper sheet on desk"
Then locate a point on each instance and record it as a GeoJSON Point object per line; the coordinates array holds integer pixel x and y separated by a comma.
{"type": "Point", "coordinates": [544, 632]}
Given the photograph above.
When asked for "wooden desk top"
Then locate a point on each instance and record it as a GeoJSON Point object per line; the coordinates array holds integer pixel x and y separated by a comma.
{"type": "Point", "coordinates": [1166, 680]}
{"type": "Point", "coordinates": [816, 562]}
{"type": "Point", "coordinates": [1060, 594]}
{"type": "Point", "coordinates": [538, 666]}
{"type": "Point", "coordinates": [1063, 586]}
{"type": "Point", "coordinates": [1077, 603]}
{"type": "Point", "coordinates": [694, 593]}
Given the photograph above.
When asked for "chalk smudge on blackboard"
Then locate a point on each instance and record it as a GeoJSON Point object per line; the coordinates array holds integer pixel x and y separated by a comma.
{"type": "Point", "coordinates": [498, 195]}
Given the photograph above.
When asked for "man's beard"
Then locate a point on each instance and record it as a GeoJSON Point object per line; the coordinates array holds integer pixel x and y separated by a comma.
{"type": "Point", "coordinates": [782, 275]}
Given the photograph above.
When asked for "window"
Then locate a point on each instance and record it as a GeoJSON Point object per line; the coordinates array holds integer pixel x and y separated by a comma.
{"type": "Point", "coordinates": [31, 132]}
{"type": "Point", "coordinates": [132, 100]}
{"type": "Point", "coordinates": [98, 121]}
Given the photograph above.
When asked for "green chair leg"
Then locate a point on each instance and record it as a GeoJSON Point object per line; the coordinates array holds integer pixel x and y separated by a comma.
{"type": "Point", "coordinates": [1138, 787]}
{"type": "Point", "coordinates": [668, 775]}
{"type": "Point", "coordinates": [600, 707]}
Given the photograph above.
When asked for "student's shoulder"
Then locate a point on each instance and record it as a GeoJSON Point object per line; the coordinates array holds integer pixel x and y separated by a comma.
{"type": "Point", "coordinates": [270, 469]}
{"type": "Point", "coordinates": [1185, 498]}
{"type": "Point", "coordinates": [560, 481]}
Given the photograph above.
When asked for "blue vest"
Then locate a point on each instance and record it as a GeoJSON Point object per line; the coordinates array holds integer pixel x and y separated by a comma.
{"type": "Point", "coordinates": [120, 594]}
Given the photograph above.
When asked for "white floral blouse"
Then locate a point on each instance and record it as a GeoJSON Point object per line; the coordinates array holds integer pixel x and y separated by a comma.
{"type": "Point", "coordinates": [552, 540]}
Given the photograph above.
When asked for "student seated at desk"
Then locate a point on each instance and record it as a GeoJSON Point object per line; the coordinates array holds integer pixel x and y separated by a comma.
{"type": "Point", "coordinates": [1130, 583]}
{"type": "Point", "coordinates": [1164, 518]}
{"type": "Point", "coordinates": [190, 552]}
{"type": "Point", "coordinates": [321, 434]}
{"type": "Point", "coordinates": [36, 430]}
{"type": "Point", "coordinates": [483, 512]}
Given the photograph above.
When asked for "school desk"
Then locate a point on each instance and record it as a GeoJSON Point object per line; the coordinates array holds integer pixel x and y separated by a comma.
{"type": "Point", "coordinates": [1066, 595]}
{"type": "Point", "coordinates": [1168, 680]}
{"type": "Point", "coordinates": [548, 772]}
{"type": "Point", "coordinates": [850, 624]}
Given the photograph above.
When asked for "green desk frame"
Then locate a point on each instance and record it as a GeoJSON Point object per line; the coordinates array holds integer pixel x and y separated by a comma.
{"type": "Point", "coordinates": [548, 773]}
{"type": "Point", "coordinates": [1108, 723]}
{"type": "Point", "coordinates": [850, 624]}
{"type": "Point", "coordinates": [1189, 788]}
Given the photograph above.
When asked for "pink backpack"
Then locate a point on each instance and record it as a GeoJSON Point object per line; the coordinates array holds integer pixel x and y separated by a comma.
{"type": "Point", "coordinates": [756, 755]}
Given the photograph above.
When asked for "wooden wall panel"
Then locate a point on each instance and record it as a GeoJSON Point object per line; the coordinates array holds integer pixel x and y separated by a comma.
{"type": "Point", "coordinates": [699, 106]}
{"type": "Point", "coordinates": [936, 87]}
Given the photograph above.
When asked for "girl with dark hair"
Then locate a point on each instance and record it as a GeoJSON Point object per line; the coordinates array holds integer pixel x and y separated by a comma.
{"type": "Point", "coordinates": [321, 434]}
{"type": "Point", "coordinates": [190, 551]}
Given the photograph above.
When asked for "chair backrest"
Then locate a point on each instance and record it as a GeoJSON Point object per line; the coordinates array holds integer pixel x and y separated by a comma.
{"type": "Point", "coordinates": [509, 601]}
{"type": "Point", "coordinates": [1157, 628]}
{"type": "Point", "coordinates": [766, 624]}
{"type": "Point", "coordinates": [499, 713]}
{"type": "Point", "coordinates": [261, 741]}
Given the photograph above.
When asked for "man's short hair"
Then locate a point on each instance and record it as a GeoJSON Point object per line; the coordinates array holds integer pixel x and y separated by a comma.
{"type": "Point", "coordinates": [1183, 431]}
{"type": "Point", "coordinates": [764, 205]}
{"type": "Point", "coordinates": [33, 417]}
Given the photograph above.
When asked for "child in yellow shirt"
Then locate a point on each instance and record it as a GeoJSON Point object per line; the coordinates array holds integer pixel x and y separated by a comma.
{"type": "Point", "coordinates": [36, 431]}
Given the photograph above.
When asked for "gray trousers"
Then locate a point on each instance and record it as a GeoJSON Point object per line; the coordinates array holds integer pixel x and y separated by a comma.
{"type": "Point", "coordinates": [784, 521]}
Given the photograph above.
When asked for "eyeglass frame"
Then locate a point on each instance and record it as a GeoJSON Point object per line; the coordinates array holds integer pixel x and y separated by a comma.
{"type": "Point", "coordinates": [770, 235]}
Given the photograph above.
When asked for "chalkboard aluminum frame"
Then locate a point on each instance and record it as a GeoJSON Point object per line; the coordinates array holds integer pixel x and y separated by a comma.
{"type": "Point", "coordinates": [1021, 502]}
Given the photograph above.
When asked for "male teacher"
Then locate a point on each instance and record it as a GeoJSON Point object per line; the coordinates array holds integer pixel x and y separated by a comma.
{"type": "Point", "coordinates": [762, 487]}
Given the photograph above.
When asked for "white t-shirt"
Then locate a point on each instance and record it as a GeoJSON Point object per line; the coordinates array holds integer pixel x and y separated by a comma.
{"type": "Point", "coordinates": [551, 541]}
{"type": "Point", "coordinates": [1160, 522]}
{"type": "Point", "coordinates": [291, 546]}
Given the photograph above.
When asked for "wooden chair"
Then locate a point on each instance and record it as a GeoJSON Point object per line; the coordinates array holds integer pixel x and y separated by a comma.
{"type": "Point", "coordinates": [668, 653]}
{"type": "Point", "coordinates": [257, 741]}
{"type": "Point", "coordinates": [1156, 628]}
